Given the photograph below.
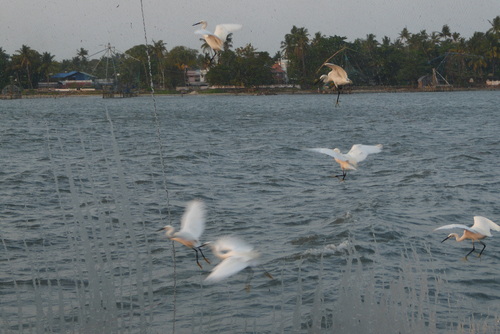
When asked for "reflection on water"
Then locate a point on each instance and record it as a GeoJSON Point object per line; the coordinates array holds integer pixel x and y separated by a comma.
{"type": "Point", "coordinates": [83, 195]}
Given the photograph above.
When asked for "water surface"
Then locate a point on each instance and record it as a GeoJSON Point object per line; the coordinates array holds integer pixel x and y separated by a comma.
{"type": "Point", "coordinates": [86, 182]}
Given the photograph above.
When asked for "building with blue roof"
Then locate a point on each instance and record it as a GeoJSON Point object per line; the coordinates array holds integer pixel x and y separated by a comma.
{"type": "Point", "coordinates": [73, 75]}
{"type": "Point", "coordinates": [73, 79]}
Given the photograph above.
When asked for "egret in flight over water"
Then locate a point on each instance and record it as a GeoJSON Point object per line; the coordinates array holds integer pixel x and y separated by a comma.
{"type": "Point", "coordinates": [192, 227]}
{"type": "Point", "coordinates": [477, 232]}
{"type": "Point", "coordinates": [349, 160]}
{"type": "Point", "coordinates": [216, 39]}
{"type": "Point", "coordinates": [236, 255]}
{"type": "Point", "coordinates": [338, 76]}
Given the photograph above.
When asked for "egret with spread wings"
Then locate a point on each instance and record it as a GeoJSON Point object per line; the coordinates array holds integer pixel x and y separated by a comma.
{"type": "Point", "coordinates": [192, 227]}
{"type": "Point", "coordinates": [338, 76]}
{"type": "Point", "coordinates": [216, 39]}
{"type": "Point", "coordinates": [236, 255]}
{"type": "Point", "coordinates": [349, 160]}
{"type": "Point", "coordinates": [481, 229]}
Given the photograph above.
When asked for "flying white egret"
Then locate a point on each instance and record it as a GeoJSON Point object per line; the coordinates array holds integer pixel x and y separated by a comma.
{"type": "Point", "coordinates": [192, 227]}
{"type": "Point", "coordinates": [477, 232]}
{"type": "Point", "coordinates": [236, 255]}
{"type": "Point", "coordinates": [216, 39]}
{"type": "Point", "coordinates": [338, 76]}
{"type": "Point", "coordinates": [349, 160]}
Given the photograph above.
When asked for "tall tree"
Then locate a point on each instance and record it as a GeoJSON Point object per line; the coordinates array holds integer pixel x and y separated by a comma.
{"type": "Point", "coordinates": [159, 51]}
{"type": "Point", "coordinates": [493, 37]}
{"type": "Point", "coordinates": [82, 54]}
{"type": "Point", "coordinates": [177, 61]}
{"type": "Point", "coordinates": [46, 66]}
{"type": "Point", "coordinates": [445, 32]}
{"type": "Point", "coordinates": [4, 68]}
{"type": "Point", "coordinates": [495, 26]}
{"type": "Point", "coordinates": [404, 35]}
{"type": "Point", "coordinates": [134, 70]}
{"type": "Point", "coordinates": [295, 48]}
{"type": "Point", "coordinates": [24, 61]}
{"type": "Point", "coordinates": [478, 47]}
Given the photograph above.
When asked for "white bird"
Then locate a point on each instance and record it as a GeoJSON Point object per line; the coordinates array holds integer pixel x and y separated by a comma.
{"type": "Point", "coordinates": [192, 227]}
{"type": "Point", "coordinates": [349, 160]}
{"type": "Point", "coordinates": [338, 76]}
{"type": "Point", "coordinates": [236, 255]}
{"type": "Point", "coordinates": [477, 232]}
{"type": "Point", "coordinates": [216, 39]}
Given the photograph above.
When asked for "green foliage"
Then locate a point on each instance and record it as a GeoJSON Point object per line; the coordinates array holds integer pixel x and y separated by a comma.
{"type": "Point", "coordinates": [366, 60]}
{"type": "Point", "coordinates": [244, 67]}
{"type": "Point", "coordinates": [4, 64]}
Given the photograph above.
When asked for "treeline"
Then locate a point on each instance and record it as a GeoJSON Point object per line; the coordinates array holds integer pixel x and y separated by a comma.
{"type": "Point", "coordinates": [398, 62]}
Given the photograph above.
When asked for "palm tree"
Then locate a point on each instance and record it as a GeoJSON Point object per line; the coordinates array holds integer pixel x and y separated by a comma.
{"type": "Point", "coordinates": [82, 54]}
{"type": "Point", "coordinates": [295, 46]}
{"type": "Point", "coordinates": [25, 58]}
{"type": "Point", "coordinates": [445, 32]}
{"type": "Point", "coordinates": [46, 65]}
{"type": "Point", "coordinates": [4, 63]}
{"type": "Point", "coordinates": [79, 62]}
{"type": "Point", "coordinates": [478, 46]}
{"type": "Point", "coordinates": [493, 36]}
{"type": "Point", "coordinates": [370, 44]}
{"type": "Point", "coordinates": [495, 26]}
{"type": "Point", "coordinates": [456, 37]}
{"type": "Point", "coordinates": [228, 43]}
{"type": "Point", "coordinates": [404, 35]}
{"type": "Point", "coordinates": [159, 50]}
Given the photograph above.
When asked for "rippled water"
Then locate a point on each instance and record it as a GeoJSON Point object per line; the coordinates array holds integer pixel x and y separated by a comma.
{"type": "Point", "coordinates": [86, 182]}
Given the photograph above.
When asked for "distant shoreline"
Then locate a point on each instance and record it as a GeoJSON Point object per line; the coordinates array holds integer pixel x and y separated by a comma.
{"type": "Point", "coordinates": [264, 91]}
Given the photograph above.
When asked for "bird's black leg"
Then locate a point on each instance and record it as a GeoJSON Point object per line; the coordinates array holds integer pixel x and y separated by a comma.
{"type": "Point", "coordinates": [204, 258]}
{"type": "Point", "coordinates": [484, 246]}
{"type": "Point", "coordinates": [249, 278]}
{"type": "Point", "coordinates": [338, 96]}
{"type": "Point", "coordinates": [216, 53]}
{"type": "Point", "coordinates": [197, 262]}
{"type": "Point", "coordinates": [473, 249]}
{"type": "Point", "coordinates": [266, 273]}
{"type": "Point", "coordinates": [344, 174]}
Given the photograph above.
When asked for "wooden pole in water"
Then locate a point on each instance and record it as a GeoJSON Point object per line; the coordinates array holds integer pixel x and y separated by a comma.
{"type": "Point", "coordinates": [333, 55]}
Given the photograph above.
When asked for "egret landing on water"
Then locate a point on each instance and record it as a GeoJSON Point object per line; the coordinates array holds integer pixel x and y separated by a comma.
{"type": "Point", "coordinates": [192, 227]}
{"type": "Point", "coordinates": [216, 40]}
{"type": "Point", "coordinates": [477, 232]}
{"type": "Point", "coordinates": [236, 255]}
{"type": "Point", "coordinates": [338, 76]}
{"type": "Point", "coordinates": [349, 160]}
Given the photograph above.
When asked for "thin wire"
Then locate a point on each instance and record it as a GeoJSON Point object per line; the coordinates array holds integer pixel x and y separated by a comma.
{"type": "Point", "coordinates": [162, 160]}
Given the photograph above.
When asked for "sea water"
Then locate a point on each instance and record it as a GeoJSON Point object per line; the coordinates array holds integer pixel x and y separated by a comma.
{"type": "Point", "coordinates": [87, 182]}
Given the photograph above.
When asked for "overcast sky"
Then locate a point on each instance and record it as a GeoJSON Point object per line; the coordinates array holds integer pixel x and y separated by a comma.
{"type": "Point", "coordinates": [61, 27]}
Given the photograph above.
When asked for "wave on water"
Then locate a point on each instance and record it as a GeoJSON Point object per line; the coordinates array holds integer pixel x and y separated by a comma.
{"type": "Point", "coordinates": [329, 249]}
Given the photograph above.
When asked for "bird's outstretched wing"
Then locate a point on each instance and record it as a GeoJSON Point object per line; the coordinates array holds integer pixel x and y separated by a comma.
{"type": "Point", "coordinates": [226, 268]}
{"type": "Point", "coordinates": [203, 32]}
{"type": "Point", "coordinates": [483, 226]}
{"type": "Point", "coordinates": [330, 152]}
{"type": "Point", "coordinates": [227, 246]}
{"type": "Point", "coordinates": [456, 226]}
{"type": "Point", "coordinates": [340, 71]}
{"type": "Point", "coordinates": [193, 219]}
{"type": "Point", "coordinates": [359, 152]}
{"type": "Point", "coordinates": [222, 30]}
